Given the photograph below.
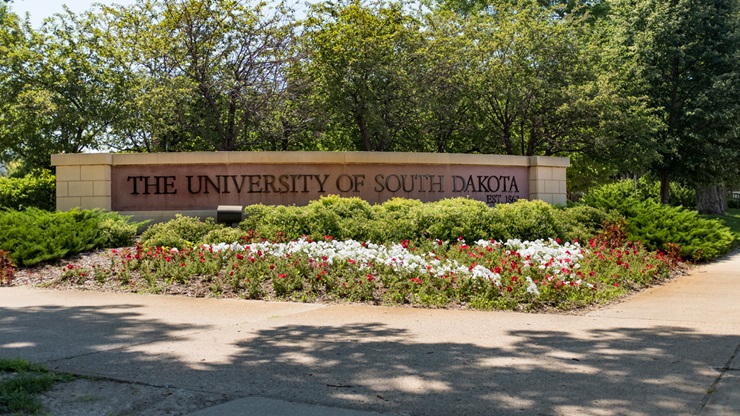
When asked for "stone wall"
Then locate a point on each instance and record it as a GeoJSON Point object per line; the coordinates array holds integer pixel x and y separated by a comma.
{"type": "Point", "coordinates": [107, 181]}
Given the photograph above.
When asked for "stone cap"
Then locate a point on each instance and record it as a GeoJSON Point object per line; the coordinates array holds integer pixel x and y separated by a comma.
{"type": "Point", "coordinates": [218, 158]}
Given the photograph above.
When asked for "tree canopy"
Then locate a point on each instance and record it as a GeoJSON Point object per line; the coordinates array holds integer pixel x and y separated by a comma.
{"type": "Point", "coordinates": [621, 86]}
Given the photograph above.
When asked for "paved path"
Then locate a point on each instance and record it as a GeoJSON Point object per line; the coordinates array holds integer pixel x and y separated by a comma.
{"type": "Point", "coordinates": [669, 350]}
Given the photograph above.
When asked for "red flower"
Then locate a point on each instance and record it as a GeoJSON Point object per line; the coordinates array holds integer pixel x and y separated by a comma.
{"type": "Point", "coordinates": [70, 266]}
{"type": "Point", "coordinates": [239, 257]}
{"type": "Point", "coordinates": [369, 277]}
{"type": "Point", "coordinates": [282, 276]}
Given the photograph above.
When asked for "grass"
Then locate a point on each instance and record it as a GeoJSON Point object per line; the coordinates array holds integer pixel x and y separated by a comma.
{"type": "Point", "coordinates": [18, 393]}
{"type": "Point", "coordinates": [731, 219]}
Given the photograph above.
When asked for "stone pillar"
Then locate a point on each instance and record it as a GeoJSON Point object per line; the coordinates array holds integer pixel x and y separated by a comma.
{"type": "Point", "coordinates": [547, 179]}
{"type": "Point", "coordinates": [83, 180]}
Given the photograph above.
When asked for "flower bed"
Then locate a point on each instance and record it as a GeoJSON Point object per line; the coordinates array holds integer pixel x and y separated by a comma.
{"type": "Point", "coordinates": [517, 275]}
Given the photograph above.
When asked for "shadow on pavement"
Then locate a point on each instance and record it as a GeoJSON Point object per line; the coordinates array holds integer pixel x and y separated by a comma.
{"type": "Point", "coordinates": [656, 370]}
{"type": "Point", "coordinates": [45, 333]}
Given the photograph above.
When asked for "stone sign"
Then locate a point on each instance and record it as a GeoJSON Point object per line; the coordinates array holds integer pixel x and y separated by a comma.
{"type": "Point", "coordinates": [200, 181]}
{"type": "Point", "coordinates": [197, 187]}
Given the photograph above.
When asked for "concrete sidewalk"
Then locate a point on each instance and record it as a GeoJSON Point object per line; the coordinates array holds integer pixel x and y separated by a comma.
{"type": "Point", "coordinates": [668, 350]}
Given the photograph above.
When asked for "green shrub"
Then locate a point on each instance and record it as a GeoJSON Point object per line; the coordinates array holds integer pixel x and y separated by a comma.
{"type": "Point", "coordinates": [620, 193]}
{"type": "Point", "coordinates": [342, 218]}
{"type": "Point", "coordinates": [36, 189]}
{"type": "Point", "coordinates": [180, 232]}
{"type": "Point", "coordinates": [254, 216]}
{"type": "Point", "coordinates": [660, 226]}
{"type": "Point", "coordinates": [34, 236]}
{"type": "Point", "coordinates": [276, 223]}
{"type": "Point", "coordinates": [530, 220]}
{"type": "Point", "coordinates": [613, 196]}
{"type": "Point", "coordinates": [224, 235]}
{"type": "Point", "coordinates": [395, 220]}
{"type": "Point", "coordinates": [583, 222]}
{"type": "Point", "coordinates": [118, 231]}
{"type": "Point", "coordinates": [450, 219]}
{"type": "Point", "coordinates": [657, 226]}
{"type": "Point", "coordinates": [407, 219]}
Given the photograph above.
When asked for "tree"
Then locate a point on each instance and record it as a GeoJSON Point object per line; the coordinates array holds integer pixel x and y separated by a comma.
{"type": "Point", "coordinates": [210, 73]}
{"type": "Point", "coordinates": [683, 54]}
{"type": "Point", "coordinates": [362, 63]}
{"type": "Point", "coordinates": [61, 95]}
{"type": "Point", "coordinates": [540, 88]}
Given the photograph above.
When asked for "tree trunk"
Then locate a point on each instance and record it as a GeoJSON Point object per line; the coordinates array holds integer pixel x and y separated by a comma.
{"type": "Point", "coordinates": [711, 199]}
{"type": "Point", "coordinates": [665, 188]}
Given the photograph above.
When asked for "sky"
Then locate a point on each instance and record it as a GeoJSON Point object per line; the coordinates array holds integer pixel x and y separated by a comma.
{"type": "Point", "coordinates": [41, 9]}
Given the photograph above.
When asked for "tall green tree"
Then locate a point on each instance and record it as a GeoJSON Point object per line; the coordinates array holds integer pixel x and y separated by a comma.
{"type": "Point", "coordinates": [362, 62]}
{"type": "Point", "coordinates": [210, 73]}
{"type": "Point", "coordinates": [684, 55]}
{"type": "Point", "coordinates": [540, 86]}
{"type": "Point", "coordinates": [61, 96]}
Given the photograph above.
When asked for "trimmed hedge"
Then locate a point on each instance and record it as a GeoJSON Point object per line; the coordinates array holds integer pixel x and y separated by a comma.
{"type": "Point", "coordinates": [180, 232]}
{"type": "Point", "coordinates": [35, 190]}
{"type": "Point", "coordinates": [395, 220]}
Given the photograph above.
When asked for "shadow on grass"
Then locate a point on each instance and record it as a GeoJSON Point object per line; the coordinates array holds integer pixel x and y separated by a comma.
{"type": "Point", "coordinates": [373, 366]}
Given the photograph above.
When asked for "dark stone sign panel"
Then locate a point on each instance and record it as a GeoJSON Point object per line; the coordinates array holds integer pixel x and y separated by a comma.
{"type": "Point", "coordinates": [202, 187]}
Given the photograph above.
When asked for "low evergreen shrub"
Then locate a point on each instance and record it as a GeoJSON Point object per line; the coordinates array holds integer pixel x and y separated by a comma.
{"type": "Point", "coordinates": [341, 218]}
{"type": "Point", "coordinates": [33, 236]}
{"type": "Point", "coordinates": [662, 227]}
{"type": "Point", "coordinates": [617, 194]}
{"type": "Point", "coordinates": [659, 226]}
{"type": "Point", "coordinates": [36, 189]}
